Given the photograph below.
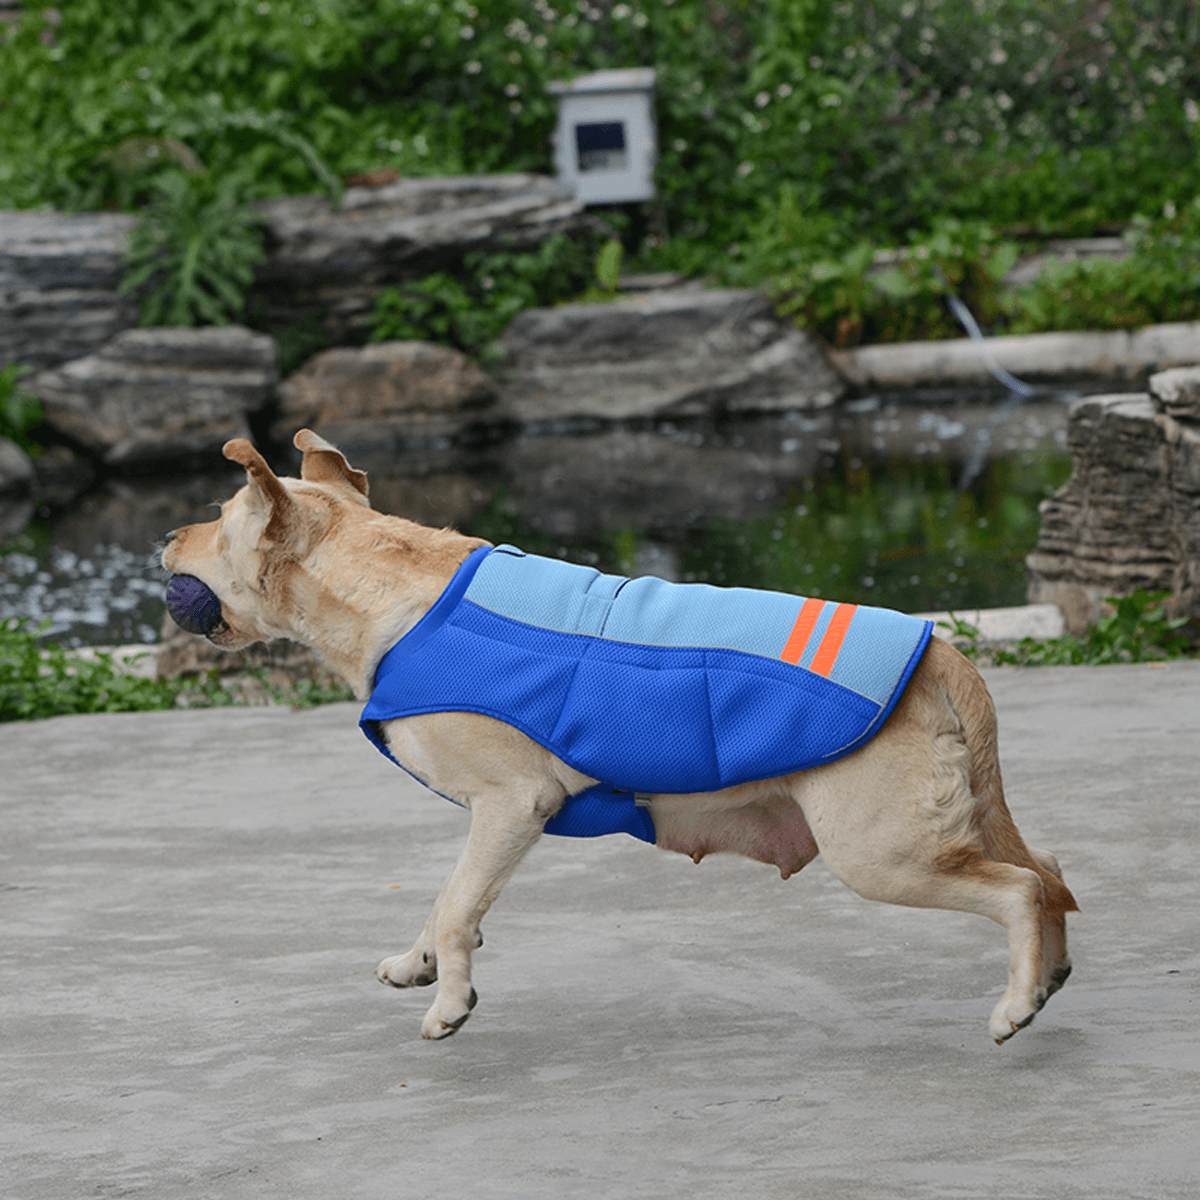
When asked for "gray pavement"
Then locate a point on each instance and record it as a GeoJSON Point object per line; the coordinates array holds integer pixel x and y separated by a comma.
{"type": "Point", "coordinates": [192, 905]}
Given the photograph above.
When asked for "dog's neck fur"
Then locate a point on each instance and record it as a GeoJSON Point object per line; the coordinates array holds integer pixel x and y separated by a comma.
{"type": "Point", "coordinates": [351, 618]}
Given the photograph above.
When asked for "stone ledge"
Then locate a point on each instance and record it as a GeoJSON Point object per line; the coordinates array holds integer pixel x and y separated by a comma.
{"type": "Point", "coordinates": [999, 625]}
{"type": "Point", "coordinates": [1118, 356]}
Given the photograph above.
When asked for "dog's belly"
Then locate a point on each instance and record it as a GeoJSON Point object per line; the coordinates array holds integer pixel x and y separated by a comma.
{"type": "Point", "coordinates": [758, 821]}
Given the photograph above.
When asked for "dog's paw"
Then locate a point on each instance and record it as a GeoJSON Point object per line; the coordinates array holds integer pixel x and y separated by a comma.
{"type": "Point", "coordinates": [447, 1016]}
{"type": "Point", "coordinates": [1009, 1018]}
{"type": "Point", "coordinates": [414, 969]}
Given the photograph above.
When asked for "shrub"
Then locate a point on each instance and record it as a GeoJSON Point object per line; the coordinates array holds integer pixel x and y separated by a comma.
{"type": "Point", "coordinates": [1137, 630]}
{"type": "Point", "coordinates": [20, 409]}
{"type": "Point", "coordinates": [1054, 114]}
{"type": "Point", "coordinates": [849, 297]}
{"type": "Point", "coordinates": [1158, 281]}
{"type": "Point", "coordinates": [194, 251]}
{"type": "Point", "coordinates": [471, 309]}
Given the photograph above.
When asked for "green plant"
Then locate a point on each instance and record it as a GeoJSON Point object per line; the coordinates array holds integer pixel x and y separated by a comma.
{"type": "Point", "coordinates": [1053, 114]}
{"type": "Point", "coordinates": [20, 409]}
{"type": "Point", "coordinates": [44, 681]}
{"type": "Point", "coordinates": [1158, 281]}
{"type": "Point", "coordinates": [607, 274]}
{"type": "Point", "coordinates": [194, 251]}
{"type": "Point", "coordinates": [1137, 630]}
{"type": "Point", "coordinates": [299, 342]}
{"type": "Point", "coordinates": [856, 295]}
{"type": "Point", "coordinates": [470, 310]}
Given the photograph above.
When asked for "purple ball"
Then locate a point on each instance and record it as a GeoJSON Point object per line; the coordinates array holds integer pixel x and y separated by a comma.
{"type": "Point", "coordinates": [193, 605]}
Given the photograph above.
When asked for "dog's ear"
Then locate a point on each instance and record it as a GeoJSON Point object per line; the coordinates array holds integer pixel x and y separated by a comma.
{"type": "Point", "coordinates": [264, 481]}
{"type": "Point", "coordinates": [324, 463]}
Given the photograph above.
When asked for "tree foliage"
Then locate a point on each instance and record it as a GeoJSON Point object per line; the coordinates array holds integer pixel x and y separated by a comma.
{"type": "Point", "coordinates": [1056, 114]}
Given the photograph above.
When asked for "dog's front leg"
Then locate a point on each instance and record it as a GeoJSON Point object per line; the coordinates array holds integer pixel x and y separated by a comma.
{"type": "Point", "coordinates": [501, 832]}
{"type": "Point", "coordinates": [512, 787]}
{"type": "Point", "coordinates": [417, 968]}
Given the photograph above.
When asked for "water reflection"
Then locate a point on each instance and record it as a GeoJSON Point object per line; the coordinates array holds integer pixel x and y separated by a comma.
{"type": "Point", "coordinates": [860, 502]}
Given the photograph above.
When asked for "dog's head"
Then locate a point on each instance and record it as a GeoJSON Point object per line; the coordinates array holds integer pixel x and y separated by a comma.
{"type": "Point", "coordinates": [237, 578]}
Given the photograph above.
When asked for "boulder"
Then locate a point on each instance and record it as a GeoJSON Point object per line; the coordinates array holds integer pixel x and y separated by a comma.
{"type": "Point", "coordinates": [1177, 392]}
{"type": "Point", "coordinates": [62, 476]}
{"type": "Point", "coordinates": [282, 662]}
{"type": "Point", "coordinates": [153, 395]}
{"type": "Point", "coordinates": [16, 468]}
{"type": "Point", "coordinates": [58, 284]}
{"type": "Point", "coordinates": [1128, 518]}
{"type": "Point", "coordinates": [666, 353]}
{"type": "Point", "coordinates": [333, 264]}
{"type": "Point", "coordinates": [16, 511]}
{"type": "Point", "coordinates": [383, 394]}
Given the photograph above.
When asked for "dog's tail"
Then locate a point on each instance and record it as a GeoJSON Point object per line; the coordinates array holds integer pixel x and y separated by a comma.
{"type": "Point", "coordinates": [1001, 840]}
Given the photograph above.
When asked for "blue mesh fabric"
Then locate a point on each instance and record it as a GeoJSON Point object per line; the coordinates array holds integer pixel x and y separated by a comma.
{"type": "Point", "coordinates": [640, 713]}
{"type": "Point", "coordinates": [598, 811]}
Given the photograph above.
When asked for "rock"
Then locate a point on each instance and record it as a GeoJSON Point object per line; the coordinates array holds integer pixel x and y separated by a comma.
{"type": "Point", "coordinates": [667, 353]}
{"type": "Point", "coordinates": [1177, 392]}
{"type": "Point", "coordinates": [1000, 626]}
{"type": "Point", "coordinates": [16, 468]}
{"type": "Point", "coordinates": [16, 512]}
{"type": "Point", "coordinates": [59, 272]}
{"type": "Point", "coordinates": [151, 395]}
{"type": "Point", "coordinates": [1128, 518]}
{"type": "Point", "coordinates": [364, 396]}
{"type": "Point", "coordinates": [1065, 250]}
{"type": "Point", "coordinates": [1050, 358]}
{"type": "Point", "coordinates": [283, 662]}
{"type": "Point", "coordinates": [62, 476]}
{"type": "Point", "coordinates": [58, 284]}
{"type": "Point", "coordinates": [334, 264]}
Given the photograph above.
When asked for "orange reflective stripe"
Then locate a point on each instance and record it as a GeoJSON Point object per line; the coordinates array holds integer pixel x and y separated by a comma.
{"type": "Point", "coordinates": [831, 643]}
{"type": "Point", "coordinates": [797, 641]}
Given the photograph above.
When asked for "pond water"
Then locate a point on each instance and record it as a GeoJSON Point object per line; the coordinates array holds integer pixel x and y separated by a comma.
{"type": "Point", "coordinates": [916, 506]}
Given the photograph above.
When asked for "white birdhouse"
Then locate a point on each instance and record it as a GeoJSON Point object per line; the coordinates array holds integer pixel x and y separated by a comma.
{"type": "Point", "coordinates": [606, 143]}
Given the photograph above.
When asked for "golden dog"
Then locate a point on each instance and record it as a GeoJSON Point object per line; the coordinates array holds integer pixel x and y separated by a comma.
{"type": "Point", "coordinates": [915, 817]}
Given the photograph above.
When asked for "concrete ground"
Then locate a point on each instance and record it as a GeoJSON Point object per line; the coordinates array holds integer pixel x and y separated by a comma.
{"type": "Point", "coordinates": [193, 904]}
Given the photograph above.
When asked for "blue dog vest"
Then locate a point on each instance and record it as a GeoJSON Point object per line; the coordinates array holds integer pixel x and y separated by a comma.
{"type": "Point", "coordinates": [651, 687]}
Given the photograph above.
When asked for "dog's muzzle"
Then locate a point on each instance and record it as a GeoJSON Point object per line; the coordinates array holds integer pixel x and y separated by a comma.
{"type": "Point", "coordinates": [193, 605]}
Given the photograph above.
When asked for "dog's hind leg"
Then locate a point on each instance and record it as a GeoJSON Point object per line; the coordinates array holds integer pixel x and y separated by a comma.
{"type": "Point", "coordinates": [1056, 962]}
{"type": "Point", "coordinates": [917, 817]}
{"type": "Point", "coordinates": [892, 862]}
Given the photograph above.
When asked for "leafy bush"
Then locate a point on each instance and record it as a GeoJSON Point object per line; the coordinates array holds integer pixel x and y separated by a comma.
{"type": "Point", "coordinates": [470, 310]}
{"type": "Point", "coordinates": [20, 409]}
{"type": "Point", "coordinates": [1137, 630]}
{"type": "Point", "coordinates": [850, 293]}
{"type": "Point", "coordinates": [607, 274]}
{"type": "Point", "coordinates": [1158, 281]}
{"type": "Point", "coordinates": [848, 296]}
{"type": "Point", "coordinates": [1053, 114]}
{"type": "Point", "coordinates": [194, 251]}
